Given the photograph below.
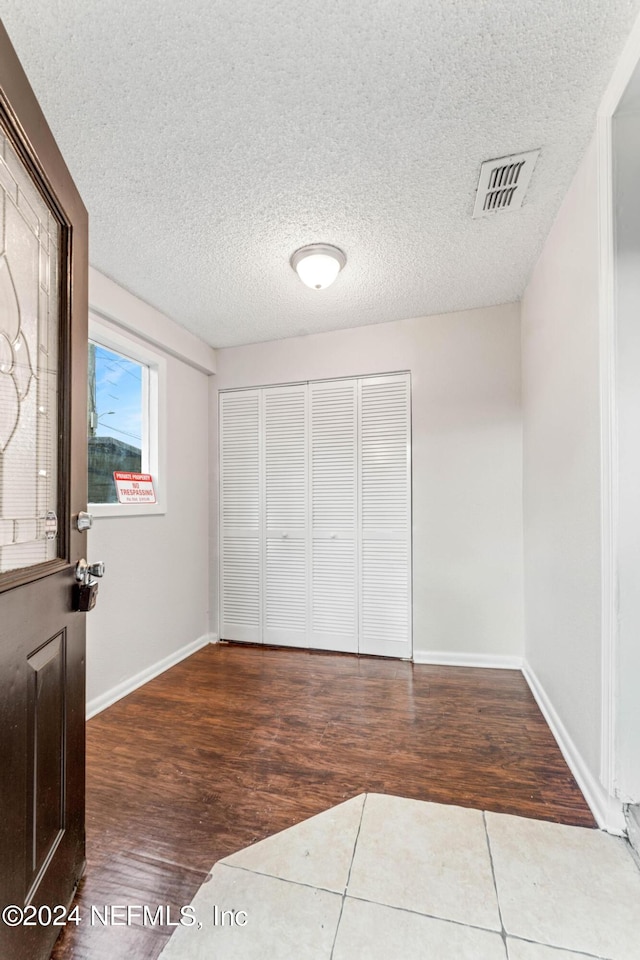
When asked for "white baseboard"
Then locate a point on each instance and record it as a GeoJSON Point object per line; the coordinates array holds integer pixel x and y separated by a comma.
{"type": "Point", "coordinates": [607, 810]}
{"type": "Point", "coordinates": [487, 660]}
{"type": "Point", "coordinates": [100, 703]}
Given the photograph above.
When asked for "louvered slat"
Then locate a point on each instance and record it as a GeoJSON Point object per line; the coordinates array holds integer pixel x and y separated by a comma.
{"type": "Point", "coordinates": [241, 587]}
{"type": "Point", "coordinates": [286, 593]}
{"type": "Point", "coordinates": [333, 464]}
{"type": "Point", "coordinates": [385, 596]}
{"type": "Point", "coordinates": [334, 619]}
{"type": "Point", "coordinates": [240, 559]}
{"type": "Point", "coordinates": [385, 516]}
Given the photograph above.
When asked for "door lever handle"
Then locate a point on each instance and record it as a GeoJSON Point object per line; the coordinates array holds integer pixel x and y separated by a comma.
{"type": "Point", "coordinates": [84, 570]}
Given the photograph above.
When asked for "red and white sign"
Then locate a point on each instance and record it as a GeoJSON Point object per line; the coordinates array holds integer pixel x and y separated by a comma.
{"type": "Point", "coordinates": [134, 487]}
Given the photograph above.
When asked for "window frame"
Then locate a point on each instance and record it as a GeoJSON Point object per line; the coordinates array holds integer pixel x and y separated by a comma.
{"type": "Point", "coordinates": [154, 420]}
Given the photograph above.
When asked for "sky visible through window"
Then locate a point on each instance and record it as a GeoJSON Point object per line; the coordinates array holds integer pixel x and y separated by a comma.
{"type": "Point", "coordinates": [118, 397]}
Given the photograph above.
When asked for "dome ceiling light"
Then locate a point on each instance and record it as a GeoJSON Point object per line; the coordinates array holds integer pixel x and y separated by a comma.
{"type": "Point", "coordinates": [318, 264]}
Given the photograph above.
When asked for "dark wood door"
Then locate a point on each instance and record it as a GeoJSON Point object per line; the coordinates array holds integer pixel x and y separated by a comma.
{"type": "Point", "coordinates": [43, 347]}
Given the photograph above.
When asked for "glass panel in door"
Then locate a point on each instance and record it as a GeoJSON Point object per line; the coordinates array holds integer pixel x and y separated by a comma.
{"type": "Point", "coordinates": [29, 331]}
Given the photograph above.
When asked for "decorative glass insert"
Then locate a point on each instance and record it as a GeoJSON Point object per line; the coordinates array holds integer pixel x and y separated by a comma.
{"type": "Point", "coordinates": [116, 419]}
{"type": "Point", "coordinates": [29, 332]}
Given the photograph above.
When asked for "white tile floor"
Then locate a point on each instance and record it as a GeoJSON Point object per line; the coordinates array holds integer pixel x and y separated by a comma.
{"type": "Point", "coordinates": [384, 878]}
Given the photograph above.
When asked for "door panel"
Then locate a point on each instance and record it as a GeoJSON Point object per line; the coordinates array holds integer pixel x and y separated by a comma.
{"type": "Point", "coordinates": [334, 620]}
{"type": "Point", "coordinates": [46, 744]}
{"type": "Point", "coordinates": [241, 588]}
{"type": "Point", "coordinates": [286, 591]}
{"type": "Point", "coordinates": [285, 515]}
{"type": "Point", "coordinates": [240, 517]}
{"type": "Point", "coordinates": [334, 515]}
{"type": "Point", "coordinates": [385, 516]}
{"type": "Point", "coordinates": [43, 363]}
{"type": "Point", "coordinates": [386, 614]}
{"type": "Point", "coordinates": [42, 701]}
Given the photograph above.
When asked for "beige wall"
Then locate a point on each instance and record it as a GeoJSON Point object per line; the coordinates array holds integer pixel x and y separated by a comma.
{"type": "Point", "coordinates": [154, 600]}
{"type": "Point", "coordinates": [561, 436]}
{"type": "Point", "coordinates": [626, 162]}
{"type": "Point", "coordinates": [467, 460]}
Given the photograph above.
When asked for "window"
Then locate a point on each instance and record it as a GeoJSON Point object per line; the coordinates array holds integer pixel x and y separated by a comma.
{"type": "Point", "coordinates": [125, 382]}
{"type": "Point", "coordinates": [118, 400]}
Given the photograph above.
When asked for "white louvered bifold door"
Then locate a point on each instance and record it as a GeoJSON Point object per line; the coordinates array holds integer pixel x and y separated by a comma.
{"type": "Point", "coordinates": [240, 517]}
{"type": "Point", "coordinates": [385, 516]}
{"type": "Point", "coordinates": [285, 521]}
{"type": "Point", "coordinates": [334, 515]}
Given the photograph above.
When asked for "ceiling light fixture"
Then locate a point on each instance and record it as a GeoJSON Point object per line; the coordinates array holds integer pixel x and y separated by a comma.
{"type": "Point", "coordinates": [318, 264]}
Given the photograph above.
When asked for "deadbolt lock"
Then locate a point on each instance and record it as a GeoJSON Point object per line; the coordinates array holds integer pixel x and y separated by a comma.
{"type": "Point", "coordinates": [84, 521]}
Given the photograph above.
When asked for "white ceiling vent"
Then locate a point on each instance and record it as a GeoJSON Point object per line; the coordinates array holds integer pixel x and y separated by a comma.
{"type": "Point", "coordinates": [503, 183]}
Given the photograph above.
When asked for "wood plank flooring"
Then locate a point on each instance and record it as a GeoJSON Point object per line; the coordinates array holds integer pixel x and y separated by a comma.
{"type": "Point", "coordinates": [237, 743]}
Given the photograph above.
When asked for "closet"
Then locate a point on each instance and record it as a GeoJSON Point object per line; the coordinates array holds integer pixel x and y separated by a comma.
{"type": "Point", "coordinates": [315, 515]}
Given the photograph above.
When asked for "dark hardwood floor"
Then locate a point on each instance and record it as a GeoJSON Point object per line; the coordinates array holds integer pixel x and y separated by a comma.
{"type": "Point", "coordinates": [237, 743]}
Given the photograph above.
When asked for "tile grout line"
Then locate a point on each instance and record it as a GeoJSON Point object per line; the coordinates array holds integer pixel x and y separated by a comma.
{"type": "Point", "coordinates": [344, 895]}
{"type": "Point", "coordinates": [503, 932]}
{"type": "Point", "coordinates": [427, 916]}
{"type": "Point", "coordinates": [635, 854]}
{"type": "Point", "coordinates": [560, 950]}
{"type": "Point", "coordinates": [273, 876]}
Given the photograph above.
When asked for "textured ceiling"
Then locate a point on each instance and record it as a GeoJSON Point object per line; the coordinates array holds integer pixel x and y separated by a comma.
{"type": "Point", "coordinates": [211, 139]}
